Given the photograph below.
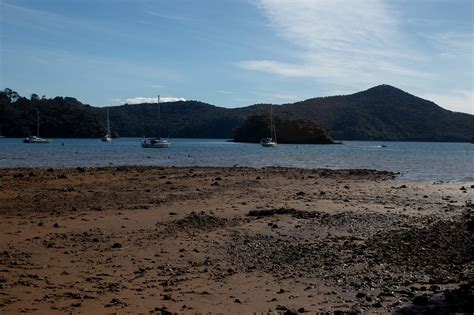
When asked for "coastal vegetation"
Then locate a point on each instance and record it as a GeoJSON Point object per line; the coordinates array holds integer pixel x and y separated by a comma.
{"type": "Point", "coordinates": [380, 113]}
{"type": "Point", "coordinates": [288, 131]}
{"type": "Point", "coordinates": [63, 117]}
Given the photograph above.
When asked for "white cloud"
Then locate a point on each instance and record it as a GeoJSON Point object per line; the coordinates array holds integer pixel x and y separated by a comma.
{"type": "Point", "coordinates": [458, 101]}
{"type": "Point", "coordinates": [453, 43]}
{"type": "Point", "coordinates": [353, 43]}
{"type": "Point", "coordinates": [349, 45]}
{"type": "Point", "coordinates": [338, 40]}
{"type": "Point", "coordinates": [141, 99]}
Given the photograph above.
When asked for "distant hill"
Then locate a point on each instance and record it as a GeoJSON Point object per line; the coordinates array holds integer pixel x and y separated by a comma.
{"type": "Point", "coordinates": [380, 113]}
{"type": "Point", "coordinates": [385, 113]}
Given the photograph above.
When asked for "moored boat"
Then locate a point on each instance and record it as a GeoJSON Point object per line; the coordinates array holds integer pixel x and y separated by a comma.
{"type": "Point", "coordinates": [36, 139]}
{"type": "Point", "coordinates": [271, 141]}
{"type": "Point", "coordinates": [156, 143]}
{"type": "Point", "coordinates": [108, 136]}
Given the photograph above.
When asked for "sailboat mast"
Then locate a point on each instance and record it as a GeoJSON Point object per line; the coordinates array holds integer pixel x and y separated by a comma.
{"type": "Point", "coordinates": [108, 124]}
{"type": "Point", "coordinates": [159, 118]}
{"type": "Point", "coordinates": [271, 121]}
{"type": "Point", "coordinates": [37, 123]}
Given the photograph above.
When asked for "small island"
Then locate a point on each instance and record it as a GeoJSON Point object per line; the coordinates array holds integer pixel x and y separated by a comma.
{"type": "Point", "coordinates": [288, 130]}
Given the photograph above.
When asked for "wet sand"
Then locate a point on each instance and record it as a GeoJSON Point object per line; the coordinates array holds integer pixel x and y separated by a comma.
{"type": "Point", "coordinates": [231, 240]}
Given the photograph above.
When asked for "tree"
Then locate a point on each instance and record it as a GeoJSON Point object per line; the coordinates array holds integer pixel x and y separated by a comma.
{"type": "Point", "coordinates": [12, 95]}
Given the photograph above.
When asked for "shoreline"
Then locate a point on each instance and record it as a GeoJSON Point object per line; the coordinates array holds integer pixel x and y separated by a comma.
{"type": "Point", "coordinates": [395, 175]}
{"type": "Point", "coordinates": [194, 239]}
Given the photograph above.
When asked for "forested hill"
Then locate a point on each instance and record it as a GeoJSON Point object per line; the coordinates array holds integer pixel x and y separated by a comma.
{"type": "Point", "coordinates": [59, 117]}
{"type": "Point", "coordinates": [288, 130]}
{"type": "Point", "coordinates": [380, 113]}
{"type": "Point", "coordinates": [385, 113]}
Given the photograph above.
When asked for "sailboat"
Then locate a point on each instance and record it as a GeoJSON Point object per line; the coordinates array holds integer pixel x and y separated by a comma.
{"type": "Point", "coordinates": [157, 142]}
{"type": "Point", "coordinates": [108, 136]}
{"type": "Point", "coordinates": [271, 141]}
{"type": "Point", "coordinates": [36, 139]}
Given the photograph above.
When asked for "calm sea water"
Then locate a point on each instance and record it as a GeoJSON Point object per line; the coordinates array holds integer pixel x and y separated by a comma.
{"type": "Point", "coordinates": [414, 160]}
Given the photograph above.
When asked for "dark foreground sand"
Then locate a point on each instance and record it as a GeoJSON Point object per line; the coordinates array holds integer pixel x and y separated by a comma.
{"type": "Point", "coordinates": [231, 240]}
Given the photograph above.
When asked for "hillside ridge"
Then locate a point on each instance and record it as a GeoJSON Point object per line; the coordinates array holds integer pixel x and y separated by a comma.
{"type": "Point", "coordinates": [382, 112]}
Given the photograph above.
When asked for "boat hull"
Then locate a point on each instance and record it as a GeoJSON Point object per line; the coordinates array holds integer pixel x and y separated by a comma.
{"type": "Point", "coordinates": [155, 144]}
{"type": "Point", "coordinates": [106, 139]}
{"type": "Point", "coordinates": [36, 140]}
{"type": "Point", "coordinates": [268, 143]}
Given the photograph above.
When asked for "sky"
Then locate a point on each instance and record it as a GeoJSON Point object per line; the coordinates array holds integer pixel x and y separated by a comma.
{"type": "Point", "coordinates": [236, 53]}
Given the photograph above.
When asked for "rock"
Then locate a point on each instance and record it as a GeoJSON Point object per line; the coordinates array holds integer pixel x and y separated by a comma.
{"type": "Point", "coordinates": [55, 225]}
{"type": "Point", "coordinates": [116, 302]}
{"type": "Point", "coordinates": [237, 301]}
{"type": "Point", "coordinates": [301, 310]}
{"type": "Point", "coordinates": [162, 311]}
{"type": "Point", "coordinates": [117, 245]}
{"type": "Point", "coordinates": [421, 300]}
{"type": "Point", "coordinates": [166, 297]}
{"type": "Point", "coordinates": [286, 310]}
{"type": "Point", "coordinates": [360, 295]}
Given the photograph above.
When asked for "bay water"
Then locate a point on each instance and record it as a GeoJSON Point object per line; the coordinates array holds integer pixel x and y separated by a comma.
{"type": "Point", "coordinates": [414, 160]}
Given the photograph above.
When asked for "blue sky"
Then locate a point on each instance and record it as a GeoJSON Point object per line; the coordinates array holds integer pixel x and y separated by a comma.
{"type": "Point", "coordinates": [235, 53]}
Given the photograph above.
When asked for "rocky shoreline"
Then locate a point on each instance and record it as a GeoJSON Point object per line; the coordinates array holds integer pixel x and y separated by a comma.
{"type": "Point", "coordinates": [191, 239]}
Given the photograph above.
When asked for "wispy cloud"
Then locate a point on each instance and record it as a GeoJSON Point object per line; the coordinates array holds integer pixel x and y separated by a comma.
{"type": "Point", "coordinates": [339, 41]}
{"type": "Point", "coordinates": [141, 100]}
{"type": "Point", "coordinates": [453, 43]}
{"type": "Point", "coordinates": [172, 17]}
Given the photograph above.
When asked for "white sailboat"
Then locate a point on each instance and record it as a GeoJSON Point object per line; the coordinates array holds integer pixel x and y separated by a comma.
{"type": "Point", "coordinates": [157, 142]}
{"type": "Point", "coordinates": [36, 139]}
{"type": "Point", "coordinates": [270, 142]}
{"type": "Point", "coordinates": [108, 136]}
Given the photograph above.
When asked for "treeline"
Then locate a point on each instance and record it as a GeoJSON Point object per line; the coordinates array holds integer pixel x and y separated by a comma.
{"type": "Point", "coordinates": [380, 113]}
{"type": "Point", "coordinates": [288, 130]}
{"type": "Point", "coordinates": [59, 117]}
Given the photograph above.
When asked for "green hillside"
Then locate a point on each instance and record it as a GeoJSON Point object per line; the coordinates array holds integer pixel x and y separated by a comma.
{"type": "Point", "coordinates": [380, 113]}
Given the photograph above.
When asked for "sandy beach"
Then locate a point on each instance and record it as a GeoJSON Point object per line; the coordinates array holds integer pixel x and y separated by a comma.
{"type": "Point", "coordinates": [155, 240]}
